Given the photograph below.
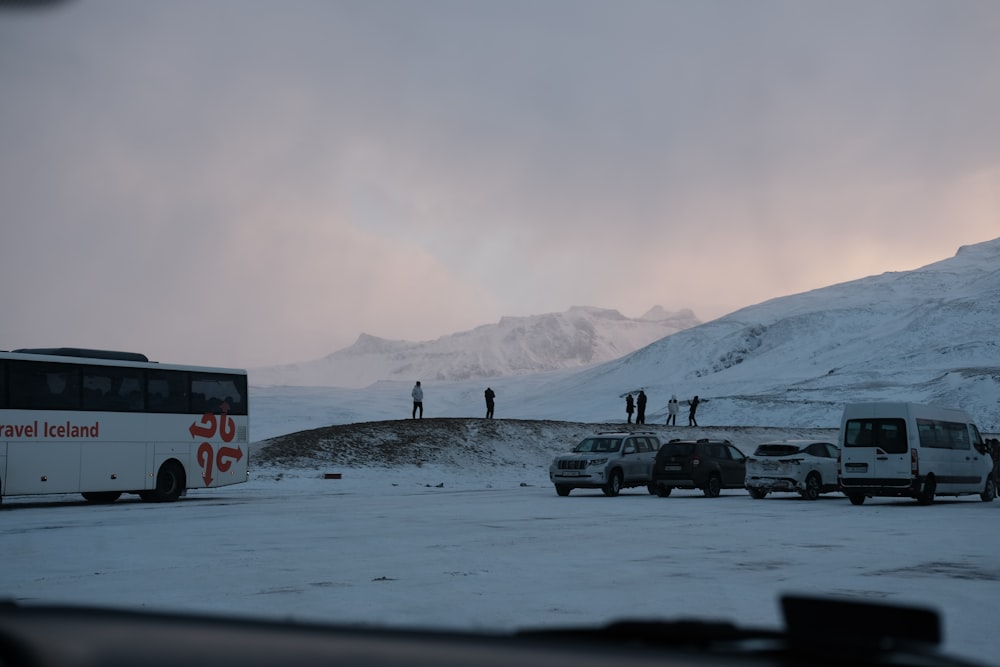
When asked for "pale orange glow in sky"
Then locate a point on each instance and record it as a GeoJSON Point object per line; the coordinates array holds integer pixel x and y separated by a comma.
{"type": "Point", "coordinates": [257, 183]}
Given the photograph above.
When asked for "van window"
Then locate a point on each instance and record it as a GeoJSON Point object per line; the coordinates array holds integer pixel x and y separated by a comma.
{"type": "Point", "coordinates": [889, 434]}
{"type": "Point", "coordinates": [943, 435]}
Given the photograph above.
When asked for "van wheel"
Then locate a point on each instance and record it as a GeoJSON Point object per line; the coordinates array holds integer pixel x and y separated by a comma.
{"type": "Point", "coordinates": [563, 490]}
{"type": "Point", "coordinates": [713, 487]}
{"type": "Point", "coordinates": [813, 487]}
{"type": "Point", "coordinates": [990, 492]}
{"type": "Point", "coordinates": [926, 494]}
{"type": "Point", "coordinates": [856, 498]}
{"type": "Point", "coordinates": [614, 485]}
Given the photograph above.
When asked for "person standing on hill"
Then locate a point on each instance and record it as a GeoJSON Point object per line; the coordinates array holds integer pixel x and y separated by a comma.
{"type": "Point", "coordinates": [490, 395]}
{"type": "Point", "coordinates": [672, 410]}
{"type": "Point", "coordinates": [629, 407]}
{"type": "Point", "coordinates": [694, 408]}
{"type": "Point", "coordinates": [640, 405]}
{"type": "Point", "coordinates": [418, 400]}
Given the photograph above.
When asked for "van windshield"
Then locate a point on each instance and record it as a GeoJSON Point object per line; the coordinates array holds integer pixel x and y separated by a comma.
{"type": "Point", "coordinates": [888, 434]}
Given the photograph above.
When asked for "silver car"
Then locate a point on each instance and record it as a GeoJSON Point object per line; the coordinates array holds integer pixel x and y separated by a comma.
{"type": "Point", "coordinates": [607, 461]}
{"type": "Point", "coordinates": [803, 466]}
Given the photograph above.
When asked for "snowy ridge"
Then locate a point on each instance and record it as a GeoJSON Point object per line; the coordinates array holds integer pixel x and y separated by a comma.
{"type": "Point", "coordinates": [514, 346]}
{"type": "Point", "coordinates": [931, 335]}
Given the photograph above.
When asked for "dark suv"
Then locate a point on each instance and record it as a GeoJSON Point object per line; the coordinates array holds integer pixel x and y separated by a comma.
{"type": "Point", "coordinates": [709, 465]}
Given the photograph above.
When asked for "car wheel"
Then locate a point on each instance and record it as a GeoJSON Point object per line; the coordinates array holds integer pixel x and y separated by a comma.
{"type": "Point", "coordinates": [663, 491]}
{"type": "Point", "coordinates": [651, 488]}
{"type": "Point", "coordinates": [990, 492]}
{"type": "Point", "coordinates": [856, 498]}
{"type": "Point", "coordinates": [563, 490]}
{"type": "Point", "coordinates": [926, 494]}
{"type": "Point", "coordinates": [756, 492]}
{"type": "Point", "coordinates": [614, 485]}
{"type": "Point", "coordinates": [713, 486]}
{"type": "Point", "coordinates": [813, 487]}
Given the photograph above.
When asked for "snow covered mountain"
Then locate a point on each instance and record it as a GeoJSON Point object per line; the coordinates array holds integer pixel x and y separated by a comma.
{"type": "Point", "coordinates": [930, 335]}
{"type": "Point", "coordinates": [514, 346]}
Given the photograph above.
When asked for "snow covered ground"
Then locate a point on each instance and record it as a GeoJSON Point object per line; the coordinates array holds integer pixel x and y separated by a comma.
{"type": "Point", "coordinates": [463, 547]}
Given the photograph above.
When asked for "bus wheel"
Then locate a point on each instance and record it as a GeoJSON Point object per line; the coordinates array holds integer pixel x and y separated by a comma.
{"type": "Point", "coordinates": [170, 484]}
{"type": "Point", "coordinates": [102, 497]}
{"type": "Point", "coordinates": [926, 494]}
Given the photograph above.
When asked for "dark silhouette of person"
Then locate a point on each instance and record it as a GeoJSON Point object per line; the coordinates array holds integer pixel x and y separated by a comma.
{"type": "Point", "coordinates": [672, 410]}
{"type": "Point", "coordinates": [640, 405]}
{"type": "Point", "coordinates": [490, 395]}
{"type": "Point", "coordinates": [418, 400]}
{"type": "Point", "coordinates": [694, 407]}
{"type": "Point", "coordinates": [629, 407]}
{"type": "Point", "coordinates": [994, 451]}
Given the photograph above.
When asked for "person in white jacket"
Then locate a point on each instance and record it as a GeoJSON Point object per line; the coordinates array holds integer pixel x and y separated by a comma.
{"type": "Point", "coordinates": [418, 400]}
{"type": "Point", "coordinates": [672, 408]}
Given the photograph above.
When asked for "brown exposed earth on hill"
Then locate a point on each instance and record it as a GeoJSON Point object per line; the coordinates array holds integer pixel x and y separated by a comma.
{"type": "Point", "coordinates": [475, 442]}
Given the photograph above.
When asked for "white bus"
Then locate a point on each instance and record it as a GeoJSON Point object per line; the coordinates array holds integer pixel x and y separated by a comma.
{"type": "Point", "coordinates": [911, 450]}
{"type": "Point", "coordinates": [104, 423]}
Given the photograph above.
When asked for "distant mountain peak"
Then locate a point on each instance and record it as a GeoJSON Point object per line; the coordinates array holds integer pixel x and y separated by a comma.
{"type": "Point", "coordinates": [580, 336]}
{"type": "Point", "coordinates": [366, 344]}
{"type": "Point", "coordinates": [660, 314]}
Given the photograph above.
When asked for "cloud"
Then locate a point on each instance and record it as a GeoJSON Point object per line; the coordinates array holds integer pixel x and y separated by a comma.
{"type": "Point", "coordinates": [258, 183]}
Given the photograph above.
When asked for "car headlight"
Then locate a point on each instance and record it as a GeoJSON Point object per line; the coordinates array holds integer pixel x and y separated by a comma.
{"type": "Point", "coordinates": [596, 462]}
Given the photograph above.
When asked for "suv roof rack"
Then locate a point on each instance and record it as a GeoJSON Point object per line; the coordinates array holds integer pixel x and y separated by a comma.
{"type": "Point", "coordinates": [725, 440]}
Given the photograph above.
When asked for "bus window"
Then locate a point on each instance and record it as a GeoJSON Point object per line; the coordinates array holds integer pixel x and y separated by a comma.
{"type": "Point", "coordinates": [112, 389]}
{"type": "Point", "coordinates": [44, 386]}
{"type": "Point", "coordinates": [216, 393]}
{"type": "Point", "coordinates": [167, 391]}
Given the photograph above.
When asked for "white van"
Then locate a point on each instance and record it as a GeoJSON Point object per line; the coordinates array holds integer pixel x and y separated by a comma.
{"type": "Point", "coordinates": [914, 451]}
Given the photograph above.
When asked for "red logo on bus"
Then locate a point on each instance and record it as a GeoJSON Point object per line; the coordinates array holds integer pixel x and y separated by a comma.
{"type": "Point", "coordinates": [208, 458]}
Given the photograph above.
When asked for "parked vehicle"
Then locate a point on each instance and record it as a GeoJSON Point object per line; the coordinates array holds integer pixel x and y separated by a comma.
{"type": "Point", "coordinates": [607, 461]}
{"type": "Point", "coordinates": [807, 467]}
{"type": "Point", "coordinates": [709, 465]}
{"type": "Point", "coordinates": [911, 450]}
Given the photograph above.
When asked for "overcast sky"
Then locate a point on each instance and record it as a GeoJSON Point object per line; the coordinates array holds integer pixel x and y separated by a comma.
{"type": "Point", "coordinates": [246, 183]}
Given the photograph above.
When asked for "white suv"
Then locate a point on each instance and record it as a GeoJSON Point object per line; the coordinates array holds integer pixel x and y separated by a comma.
{"type": "Point", "coordinates": [804, 466]}
{"type": "Point", "coordinates": [607, 461]}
